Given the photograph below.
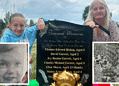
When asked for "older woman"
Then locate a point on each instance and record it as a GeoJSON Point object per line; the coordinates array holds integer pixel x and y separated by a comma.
{"type": "Point", "coordinates": [100, 14]}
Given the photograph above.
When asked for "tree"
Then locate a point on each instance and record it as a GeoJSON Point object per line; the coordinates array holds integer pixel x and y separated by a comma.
{"type": "Point", "coordinates": [2, 26]}
{"type": "Point", "coordinates": [110, 14]}
{"type": "Point", "coordinates": [85, 13]}
{"type": "Point", "coordinates": [31, 22]}
{"type": "Point", "coordinates": [7, 18]}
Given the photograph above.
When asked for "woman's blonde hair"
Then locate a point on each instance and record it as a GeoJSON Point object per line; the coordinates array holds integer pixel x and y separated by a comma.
{"type": "Point", "coordinates": [107, 15]}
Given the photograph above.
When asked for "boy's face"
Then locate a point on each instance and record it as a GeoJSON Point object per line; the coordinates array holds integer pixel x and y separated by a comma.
{"type": "Point", "coordinates": [11, 65]}
{"type": "Point", "coordinates": [17, 25]}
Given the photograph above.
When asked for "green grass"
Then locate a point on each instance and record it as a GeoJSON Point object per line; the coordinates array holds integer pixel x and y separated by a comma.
{"type": "Point", "coordinates": [33, 55]}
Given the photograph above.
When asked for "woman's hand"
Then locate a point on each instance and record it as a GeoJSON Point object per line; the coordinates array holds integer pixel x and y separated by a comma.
{"type": "Point", "coordinates": [41, 25]}
{"type": "Point", "coordinates": [92, 24]}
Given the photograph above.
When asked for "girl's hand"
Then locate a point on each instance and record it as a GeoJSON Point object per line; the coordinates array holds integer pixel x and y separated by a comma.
{"type": "Point", "coordinates": [30, 60]}
{"type": "Point", "coordinates": [25, 78]}
{"type": "Point", "coordinates": [92, 24]}
{"type": "Point", "coordinates": [41, 25]}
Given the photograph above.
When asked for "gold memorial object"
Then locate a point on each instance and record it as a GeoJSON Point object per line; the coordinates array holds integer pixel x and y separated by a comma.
{"type": "Point", "coordinates": [66, 79]}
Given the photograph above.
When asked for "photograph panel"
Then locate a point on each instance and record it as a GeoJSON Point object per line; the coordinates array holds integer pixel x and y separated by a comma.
{"type": "Point", "coordinates": [105, 62]}
{"type": "Point", "coordinates": [14, 63]}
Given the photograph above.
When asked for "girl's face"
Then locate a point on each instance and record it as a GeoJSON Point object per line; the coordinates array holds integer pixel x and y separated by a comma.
{"type": "Point", "coordinates": [17, 25]}
{"type": "Point", "coordinates": [11, 65]}
{"type": "Point", "coordinates": [99, 11]}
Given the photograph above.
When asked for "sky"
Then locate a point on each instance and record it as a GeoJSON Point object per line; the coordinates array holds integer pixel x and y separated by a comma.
{"type": "Point", "coordinates": [66, 10]}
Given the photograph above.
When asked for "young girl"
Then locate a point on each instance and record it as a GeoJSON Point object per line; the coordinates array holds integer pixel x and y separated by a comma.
{"type": "Point", "coordinates": [18, 33]}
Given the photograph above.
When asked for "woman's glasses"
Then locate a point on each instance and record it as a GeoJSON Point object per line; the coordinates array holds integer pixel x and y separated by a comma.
{"type": "Point", "coordinates": [100, 8]}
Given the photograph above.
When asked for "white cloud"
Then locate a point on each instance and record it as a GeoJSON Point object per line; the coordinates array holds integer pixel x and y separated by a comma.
{"type": "Point", "coordinates": [110, 1]}
{"type": "Point", "coordinates": [70, 10]}
{"type": "Point", "coordinates": [20, 2]}
{"type": "Point", "coordinates": [113, 6]}
{"type": "Point", "coordinates": [84, 2]}
{"type": "Point", "coordinates": [2, 13]}
{"type": "Point", "coordinates": [72, 1]}
{"type": "Point", "coordinates": [115, 13]}
{"type": "Point", "coordinates": [59, 5]}
{"type": "Point", "coordinates": [26, 1]}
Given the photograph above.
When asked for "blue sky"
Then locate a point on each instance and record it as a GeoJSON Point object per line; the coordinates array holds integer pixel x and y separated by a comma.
{"type": "Point", "coordinates": [67, 10]}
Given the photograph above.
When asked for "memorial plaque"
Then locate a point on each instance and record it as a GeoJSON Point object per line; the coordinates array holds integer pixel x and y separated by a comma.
{"type": "Point", "coordinates": [64, 46]}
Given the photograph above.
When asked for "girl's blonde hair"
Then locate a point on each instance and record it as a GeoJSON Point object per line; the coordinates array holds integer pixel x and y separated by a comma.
{"type": "Point", "coordinates": [107, 15]}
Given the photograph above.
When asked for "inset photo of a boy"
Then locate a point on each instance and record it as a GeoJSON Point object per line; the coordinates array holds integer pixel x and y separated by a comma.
{"type": "Point", "coordinates": [14, 64]}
